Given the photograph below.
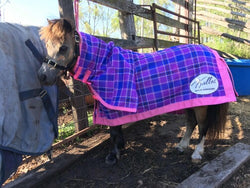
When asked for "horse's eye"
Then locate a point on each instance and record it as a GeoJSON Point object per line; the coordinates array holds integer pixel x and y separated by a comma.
{"type": "Point", "coordinates": [63, 49]}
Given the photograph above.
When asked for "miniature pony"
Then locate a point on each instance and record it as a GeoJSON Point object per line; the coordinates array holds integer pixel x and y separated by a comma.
{"type": "Point", "coordinates": [130, 86]}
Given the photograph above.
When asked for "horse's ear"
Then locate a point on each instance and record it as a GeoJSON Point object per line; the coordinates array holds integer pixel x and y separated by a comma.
{"type": "Point", "coordinates": [67, 25]}
{"type": "Point", "coordinates": [49, 21]}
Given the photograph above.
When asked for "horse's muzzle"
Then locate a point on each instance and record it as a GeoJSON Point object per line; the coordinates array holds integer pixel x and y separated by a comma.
{"type": "Point", "coordinates": [42, 77]}
{"type": "Point", "coordinates": [47, 75]}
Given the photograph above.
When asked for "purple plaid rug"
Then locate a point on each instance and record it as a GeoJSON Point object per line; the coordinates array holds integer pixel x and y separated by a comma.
{"type": "Point", "coordinates": [131, 86]}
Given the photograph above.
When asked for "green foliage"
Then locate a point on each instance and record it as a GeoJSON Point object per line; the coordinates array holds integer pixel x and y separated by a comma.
{"type": "Point", "coordinates": [65, 110]}
{"type": "Point", "coordinates": [145, 27]}
{"type": "Point", "coordinates": [90, 119]}
{"type": "Point", "coordinates": [97, 20]}
{"type": "Point", "coordinates": [65, 130]}
{"type": "Point", "coordinates": [221, 43]}
{"type": "Point", "coordinates": [229, 46]}
{"type": "Point", "coordinates": [68, 129]}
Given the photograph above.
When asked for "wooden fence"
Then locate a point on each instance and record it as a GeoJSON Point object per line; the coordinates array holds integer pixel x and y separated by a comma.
{"type": "Point", "coordinates": [235, 17]}
{"type": "Point", "coordinates": [184, 32]}
{"type": "Point", "coordinates": [232, 16]}
{"type": "Point", "coordinates": [130, 9]}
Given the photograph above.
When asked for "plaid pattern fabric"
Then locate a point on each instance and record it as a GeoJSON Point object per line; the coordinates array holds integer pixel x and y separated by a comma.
{"type": "Point", "coordinates": [126, 82]}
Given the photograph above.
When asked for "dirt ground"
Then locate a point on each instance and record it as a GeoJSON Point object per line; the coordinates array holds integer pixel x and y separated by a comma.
{"type": "Point", "coordinates": [150, 158]}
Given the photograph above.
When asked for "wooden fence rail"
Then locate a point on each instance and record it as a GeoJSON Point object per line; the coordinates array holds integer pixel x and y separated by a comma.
{"type": "Point", "coordinates": [141, 11]}
{"type": "Point", "coordinates": [231, 14]}
{"type": "Point", "coordinates": [231, 4]}
{"type": "Point", "coordinates": [238, 23]}
{"type": "Point", "coordinates": [210, 31]}
{"type": "Point", "coordinates": [226, 11]}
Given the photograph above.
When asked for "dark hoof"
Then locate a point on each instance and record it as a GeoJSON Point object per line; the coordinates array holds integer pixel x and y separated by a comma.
{"type": "Point", "coordinates": [178, 151]}
{"type": "Point", "coordinates": [111, 159]}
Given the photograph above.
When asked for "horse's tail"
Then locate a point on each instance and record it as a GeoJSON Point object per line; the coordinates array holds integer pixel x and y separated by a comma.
{"type": "Point", "coordinates": [216, 119]}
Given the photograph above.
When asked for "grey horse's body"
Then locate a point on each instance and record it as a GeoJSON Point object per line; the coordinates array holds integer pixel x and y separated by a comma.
{"type": "Point", "coordinates": [25, 127]}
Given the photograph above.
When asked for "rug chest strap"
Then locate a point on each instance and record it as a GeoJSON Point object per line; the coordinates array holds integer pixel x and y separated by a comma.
{"type": "Point", "coordinates": [34, 50]}
{"type": "Point", "coordinates": [24, 95]}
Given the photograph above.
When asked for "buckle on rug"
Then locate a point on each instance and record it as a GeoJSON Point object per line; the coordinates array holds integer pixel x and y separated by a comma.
{"type": "Point", "coordinates": [43, 93]}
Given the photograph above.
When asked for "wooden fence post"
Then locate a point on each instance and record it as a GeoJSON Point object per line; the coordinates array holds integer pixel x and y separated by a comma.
{"type": "Point", "coordinates": [182, 8]}
{"type": "Point", "coordinates": [127, 25]}
{"type": "Point", "coordinates": [191, 26]}
{"type": "Point", "coordinates": [66, 9]}
{"type": "Point", "coordinates": [184, 12]}
{"type": "Point", "coordinates": [79, 108]}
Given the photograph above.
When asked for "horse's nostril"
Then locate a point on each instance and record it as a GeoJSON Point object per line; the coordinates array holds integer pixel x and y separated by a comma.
{"type": "Point", "coordinates": [43, 77]}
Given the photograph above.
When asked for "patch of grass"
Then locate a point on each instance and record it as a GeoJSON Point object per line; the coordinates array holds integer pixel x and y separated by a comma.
{"type": "Point", "coordinates": [90, 119]}
{"type": "Point", "coordinates": [65, 130]}
{"type": "Point", "coordinates": [68, 129]}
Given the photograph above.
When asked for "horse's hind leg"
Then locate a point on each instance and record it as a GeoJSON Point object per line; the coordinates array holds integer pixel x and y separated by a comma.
{"type": "Point", "coordinates": [201, 117]}
{"type": "Point", "coordinates": [117, 141]}
{"type": "Point", "coordinates": [191, 123]}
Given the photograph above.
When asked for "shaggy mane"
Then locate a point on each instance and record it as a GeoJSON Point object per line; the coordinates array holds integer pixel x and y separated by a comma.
{"type": "Point", "coordinates": [56, 30]}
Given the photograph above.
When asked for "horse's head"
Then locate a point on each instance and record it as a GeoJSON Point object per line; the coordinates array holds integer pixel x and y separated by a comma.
{"type": "Point", "coordinates": [59, 37]}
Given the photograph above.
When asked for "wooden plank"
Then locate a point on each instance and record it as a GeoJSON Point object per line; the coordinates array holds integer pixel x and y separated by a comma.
{"type": "Point", "coordinates": [73, 137]}
{"type": "Point", "coordinates": [219, 170]}
{"type": "Point", "coordinates": [223, 10]}
{"type": "Point", "coordinates": [59, 164]}
{"type": "Point", "coordinates": [139, 42]}
{"type": "Point", "coordinates": [227, 55]}
{"type": "Point", "coordinates": [223, 18]}
{"type": "Point", "coordinates": [225, 4]}
{"type": "Point", "coordinates": [140, 11]}
{"type": "Point", "coordinates": [241, 3]}
{"type": "Point", "coordinates": [210, 31]}
{"type": "Point", "coordinates": [223, 23]}
{"type": "Point", "coordinates": [180, 2]}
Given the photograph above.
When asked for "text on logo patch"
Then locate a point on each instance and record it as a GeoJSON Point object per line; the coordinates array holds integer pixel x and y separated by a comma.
{"type": "Point", "coordinates": [204, 84]}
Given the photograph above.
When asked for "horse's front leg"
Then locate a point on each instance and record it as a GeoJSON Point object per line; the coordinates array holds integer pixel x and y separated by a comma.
{"type": "Point", "coordinates": [117, 142]}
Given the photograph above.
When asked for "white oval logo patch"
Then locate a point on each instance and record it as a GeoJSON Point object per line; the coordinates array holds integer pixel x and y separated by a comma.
{"type": "Point", "coordinates": [204, 84]}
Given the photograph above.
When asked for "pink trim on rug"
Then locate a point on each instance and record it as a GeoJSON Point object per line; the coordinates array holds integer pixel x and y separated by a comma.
{"type": "Point", "coordinates": [77, 73]}
{"type": "Point", "coordinates": [96, 96]}
{"type": "Point", "coordinates": [86, 76]}
{"type": "Point", "coordinates": [111, 106]}
{"type": "Point", "coordinates": [225, 72]}
{"type": "Point", "coordinates": [162, 110]}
